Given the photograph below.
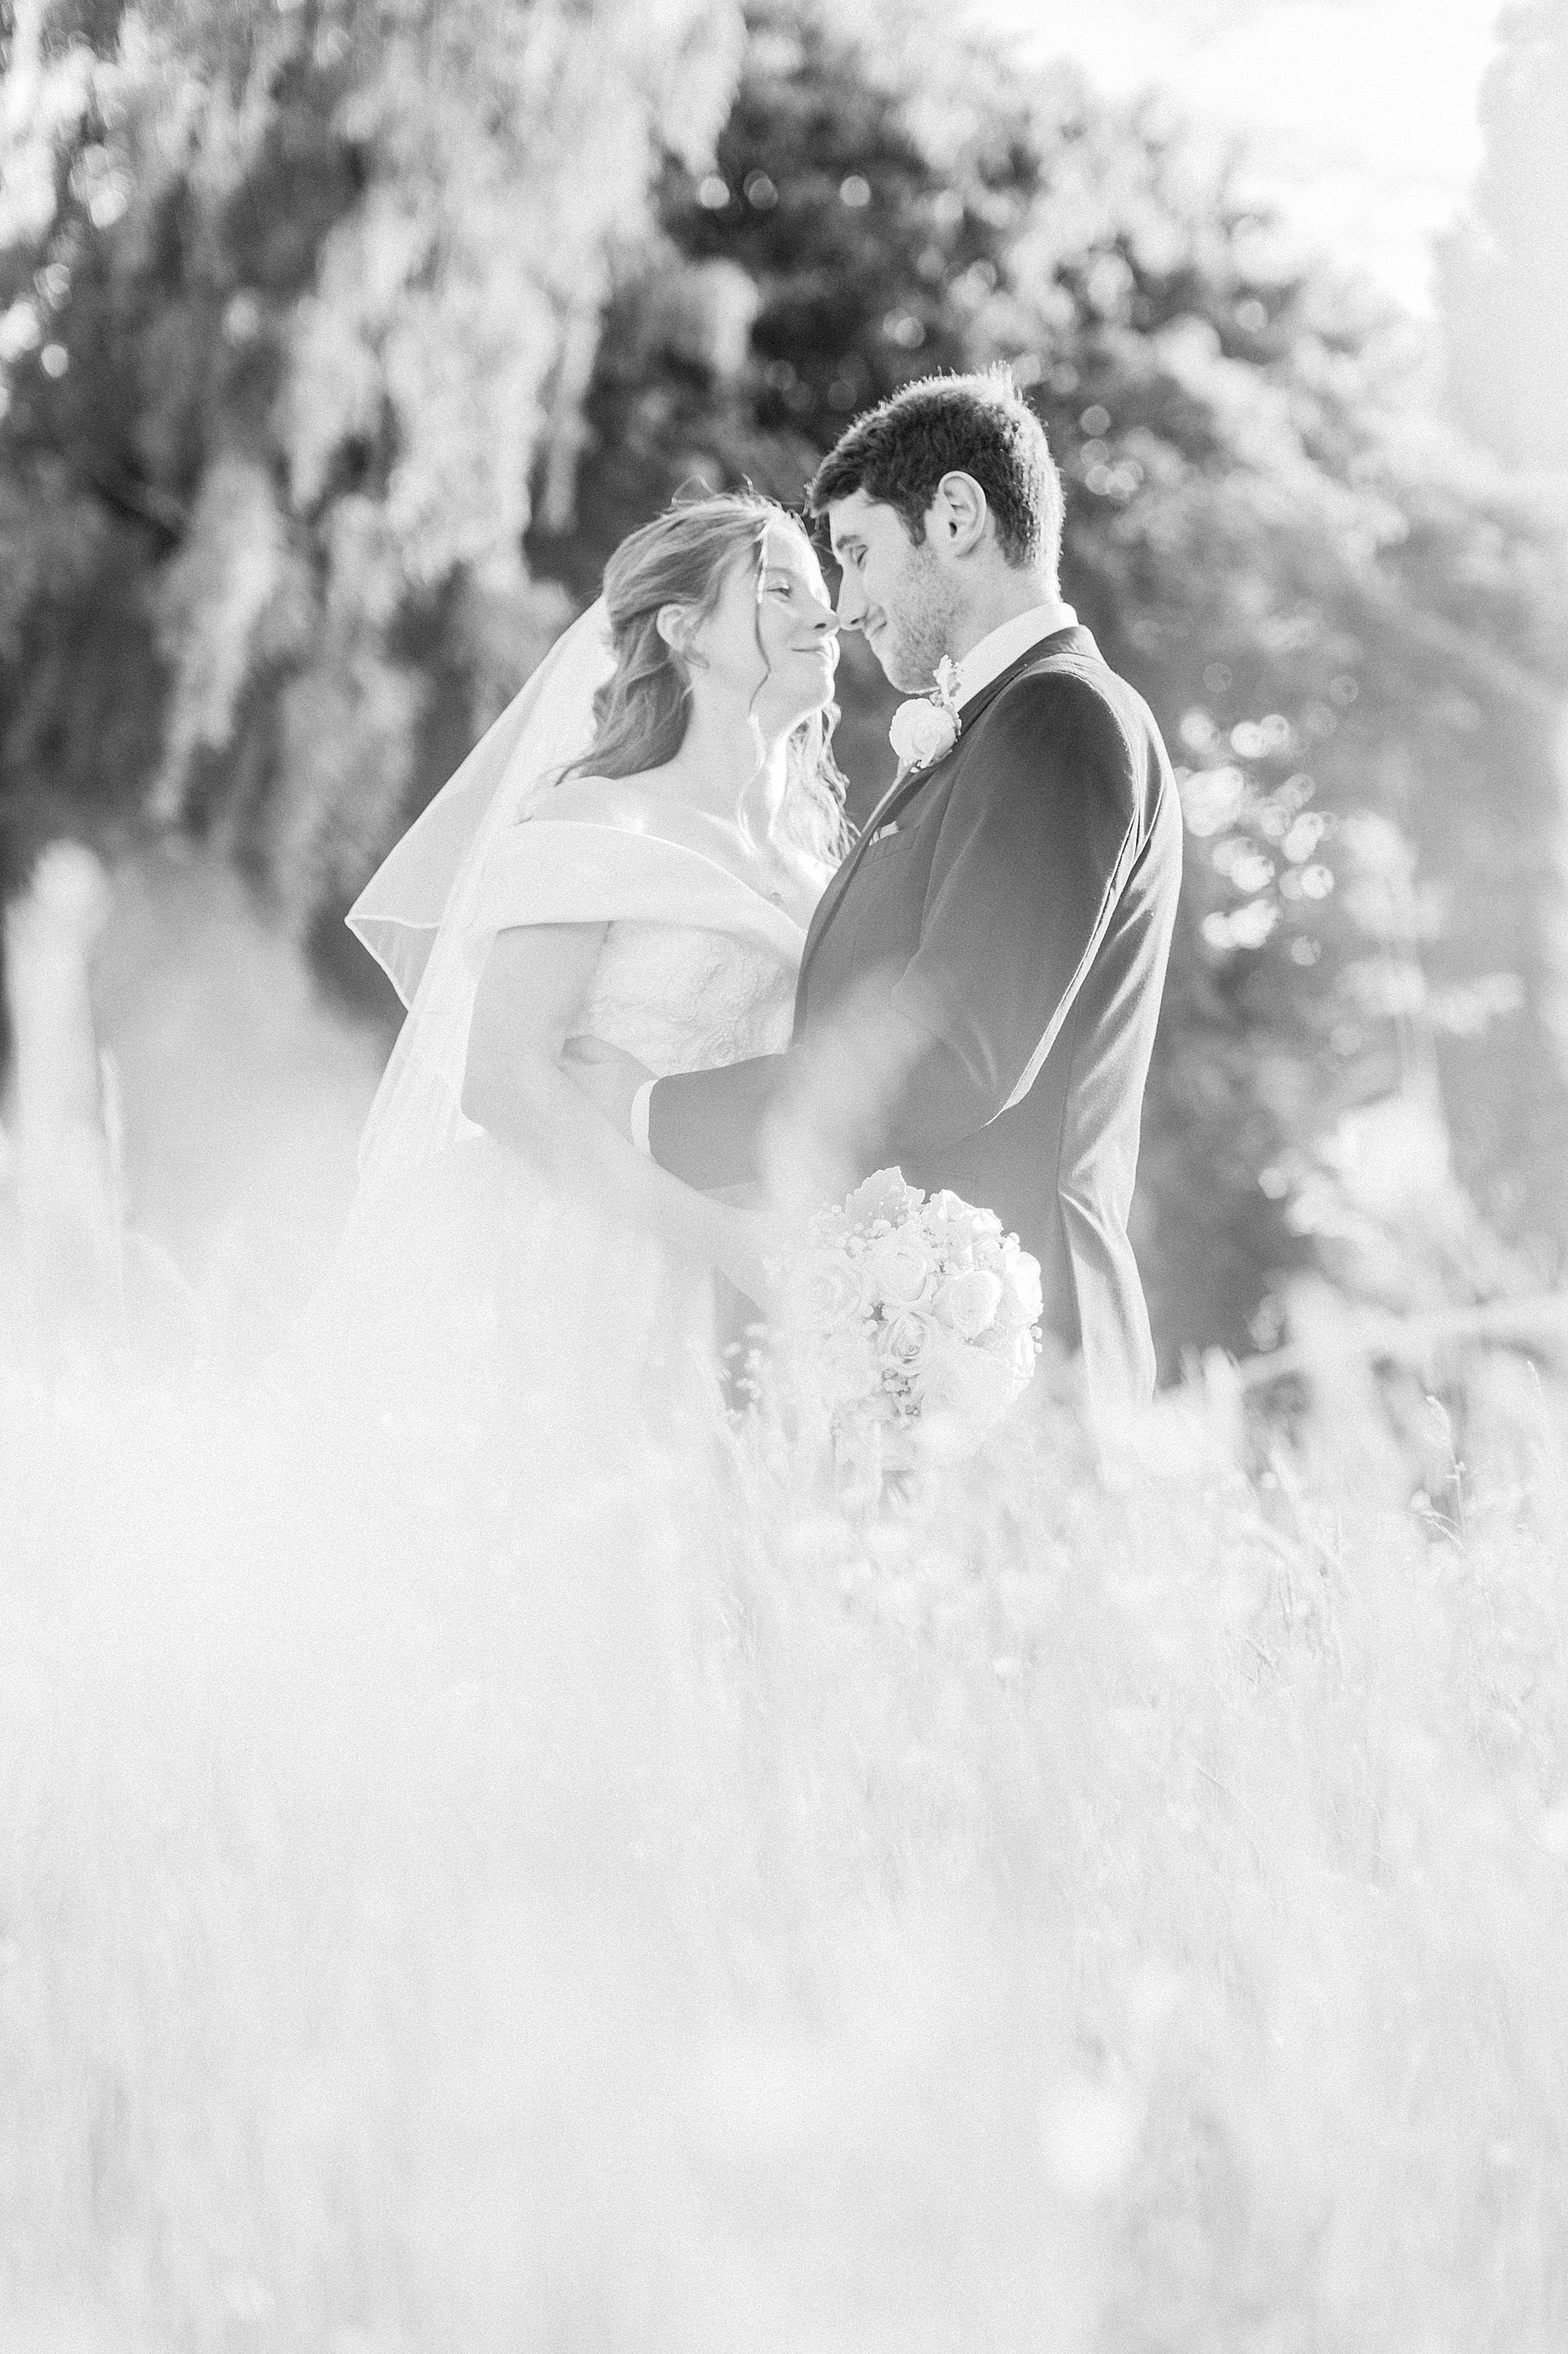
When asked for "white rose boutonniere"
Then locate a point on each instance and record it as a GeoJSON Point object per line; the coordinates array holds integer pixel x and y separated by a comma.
{"type": "Point", "coordinates": [926, 728]}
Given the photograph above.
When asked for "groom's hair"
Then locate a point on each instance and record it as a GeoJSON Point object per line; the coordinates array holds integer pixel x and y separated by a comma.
{"type": "Point", "coordinates": [978, 425]}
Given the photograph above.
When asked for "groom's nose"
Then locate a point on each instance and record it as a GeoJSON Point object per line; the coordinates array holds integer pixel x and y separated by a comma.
{"type": "Point", "coordinates": [851, 604]}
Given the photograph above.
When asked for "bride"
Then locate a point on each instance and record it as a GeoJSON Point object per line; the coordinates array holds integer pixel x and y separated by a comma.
{"type": "Point", "coordinates": [628, 861]}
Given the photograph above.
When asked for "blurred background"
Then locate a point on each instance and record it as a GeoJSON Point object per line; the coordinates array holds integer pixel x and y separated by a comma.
{"type": "Point", "coordinates": [339, 344]}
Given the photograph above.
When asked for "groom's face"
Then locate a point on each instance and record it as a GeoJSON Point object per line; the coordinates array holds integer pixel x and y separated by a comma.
{"type": "Point", "coordinates": [900, 595]}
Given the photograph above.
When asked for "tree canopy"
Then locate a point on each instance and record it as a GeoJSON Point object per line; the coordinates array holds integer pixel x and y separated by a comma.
{"type": "Point", "coordinates": [293, 301]}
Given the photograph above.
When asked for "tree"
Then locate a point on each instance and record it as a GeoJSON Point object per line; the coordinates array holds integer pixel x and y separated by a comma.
{"type": "Point", "coordinates": [825, 257]}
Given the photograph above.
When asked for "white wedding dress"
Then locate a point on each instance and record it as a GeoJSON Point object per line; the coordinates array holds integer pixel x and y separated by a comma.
{"type": "Point", "coordinates": [514, 1410]}
{"type": "Point", "coordinates": [462, 1277]}
{"type": "Point", "coordinates": [514, 1422]}
{"type": "Point", "coordinates": [471, 1297]}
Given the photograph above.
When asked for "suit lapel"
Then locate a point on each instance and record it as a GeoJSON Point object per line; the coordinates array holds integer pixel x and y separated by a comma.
{"type": "Point", "coordinates": [839, 883]}
{"type": "Point", "coordinates": [905, 786]}
{"type": "Point", "coordinates": [1075, 640]}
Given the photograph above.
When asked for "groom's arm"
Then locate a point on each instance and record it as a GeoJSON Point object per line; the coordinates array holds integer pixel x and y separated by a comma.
{"type": "Point", "coordinates": [1034, 850]}
{"type": "Point", "coordinates": [705, 1127]}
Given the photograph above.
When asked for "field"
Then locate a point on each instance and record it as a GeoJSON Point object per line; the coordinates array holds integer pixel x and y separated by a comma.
{"type": "Point", "coordinates": [1069, 1916]}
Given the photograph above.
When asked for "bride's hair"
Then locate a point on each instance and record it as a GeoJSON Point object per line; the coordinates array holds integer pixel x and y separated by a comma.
{"type": "Point", "coordinates": [641, 712]}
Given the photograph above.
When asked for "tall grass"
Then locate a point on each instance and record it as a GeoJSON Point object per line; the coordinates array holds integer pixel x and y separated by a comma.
{"type": "Point", "coordinates": [685, 1914]}
{"type": "Point", "coordinates": [1063, 1915]}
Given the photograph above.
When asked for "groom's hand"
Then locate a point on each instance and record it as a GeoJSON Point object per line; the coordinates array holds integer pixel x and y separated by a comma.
{"type": "Point", "coordinates": [609, 1078]}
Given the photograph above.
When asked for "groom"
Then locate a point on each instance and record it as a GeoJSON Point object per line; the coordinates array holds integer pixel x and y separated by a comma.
{"type": "Point", "coordinates": [993, 950]}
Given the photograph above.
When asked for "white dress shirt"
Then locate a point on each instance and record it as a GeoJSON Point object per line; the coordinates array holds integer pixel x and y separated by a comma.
{"type": "Point", "coordinates": [996, 651]}
{"type": "Point", "coordinates": [1001, 648]}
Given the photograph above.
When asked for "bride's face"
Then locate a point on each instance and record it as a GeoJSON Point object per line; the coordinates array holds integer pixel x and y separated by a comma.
{"type": "Point", "coordinates": [770, 644]}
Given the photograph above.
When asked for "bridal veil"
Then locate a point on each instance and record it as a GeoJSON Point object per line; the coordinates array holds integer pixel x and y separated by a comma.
{"type": "Point", "coordinates": [415, 915]}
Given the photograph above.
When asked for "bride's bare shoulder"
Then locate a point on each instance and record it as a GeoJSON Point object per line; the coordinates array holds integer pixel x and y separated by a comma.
{"type": "Point", "coordinates": [595, 800]}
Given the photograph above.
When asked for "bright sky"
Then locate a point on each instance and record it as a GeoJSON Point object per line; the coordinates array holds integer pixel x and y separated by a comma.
{"type": "Point", "coordinates": [1362, 112]}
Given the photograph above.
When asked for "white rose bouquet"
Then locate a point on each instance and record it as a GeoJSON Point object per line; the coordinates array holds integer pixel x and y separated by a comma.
{"type": "Point", "coordinates": [906, 1308]}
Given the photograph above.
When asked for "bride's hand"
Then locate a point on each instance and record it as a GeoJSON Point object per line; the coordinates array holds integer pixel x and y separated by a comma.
{"type": "Point", "coordinates": [609, 1078]}
{"type": "Point", "coordinates": [747, 1245]}
{"type": "Point", "coordinates": [751, 1251]}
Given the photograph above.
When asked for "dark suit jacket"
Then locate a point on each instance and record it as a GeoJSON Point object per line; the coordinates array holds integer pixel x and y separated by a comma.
{"type": "Point", "coordinates": [1001, 953]}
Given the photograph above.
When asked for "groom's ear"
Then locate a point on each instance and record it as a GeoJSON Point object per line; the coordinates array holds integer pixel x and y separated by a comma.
{"type": "Point", "coordinates": [957, 517]}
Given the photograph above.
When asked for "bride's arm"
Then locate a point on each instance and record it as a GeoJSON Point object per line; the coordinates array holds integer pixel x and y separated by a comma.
{"type": "Point", "coordinates": [531, 993]}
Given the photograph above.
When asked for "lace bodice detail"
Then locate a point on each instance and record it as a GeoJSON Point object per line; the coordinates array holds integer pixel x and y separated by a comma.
{"type": "Point", "coordinates": [684, 998]}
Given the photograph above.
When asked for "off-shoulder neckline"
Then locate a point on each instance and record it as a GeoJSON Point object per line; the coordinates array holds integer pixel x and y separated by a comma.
{"type": "Point", "coordinates": [666, 842]}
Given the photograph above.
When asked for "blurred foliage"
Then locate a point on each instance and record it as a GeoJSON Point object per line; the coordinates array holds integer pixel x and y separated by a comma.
{"type": "Point", "coordinates": [341, 344]}
{"type": "Point", "coordinates": [293, 300]}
